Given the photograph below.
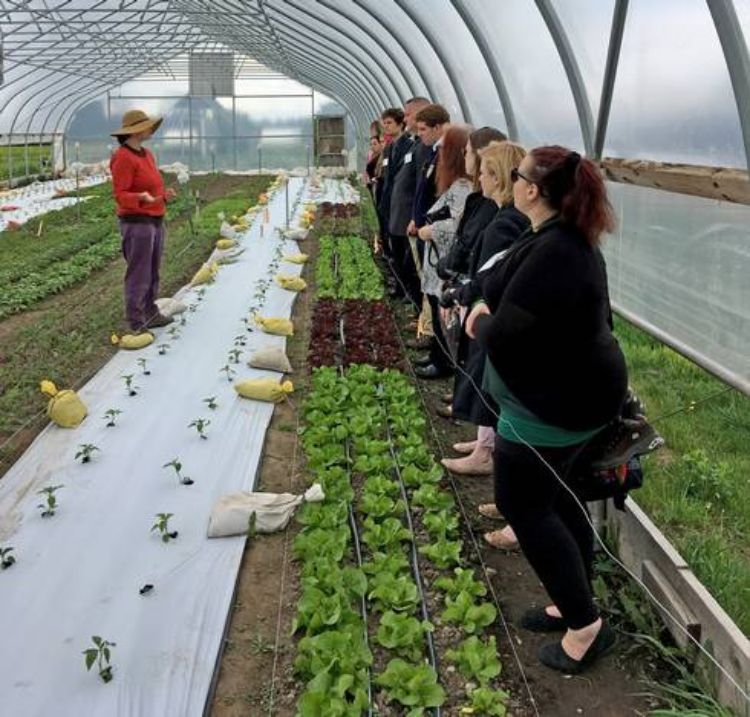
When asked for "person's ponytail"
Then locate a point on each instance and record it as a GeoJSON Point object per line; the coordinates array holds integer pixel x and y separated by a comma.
{"type": "Point", "coordinates": [574, 186]}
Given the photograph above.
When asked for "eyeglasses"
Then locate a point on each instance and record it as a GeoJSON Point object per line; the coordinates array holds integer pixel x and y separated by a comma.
{"type": "Point", "coordinates": [515, 175]}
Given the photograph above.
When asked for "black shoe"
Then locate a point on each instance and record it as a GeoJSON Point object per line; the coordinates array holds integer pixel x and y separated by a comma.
{"type": "Point", "coordinates": [420, 344]}
{"type": "Point", "coordinates": [552, 655]}
{"type": "Point", "coordinates": [422, 361]}
{"type": "Point", "coordinates": [537, 620]}
{"type": "Point", "coordinates": [431, 371]}
{"type": "Point", "coordinates": [158, 321]}
{"type": "Point", "coordinates": [627, 438]}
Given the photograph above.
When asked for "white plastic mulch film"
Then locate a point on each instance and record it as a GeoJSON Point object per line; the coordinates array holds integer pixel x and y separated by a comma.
{"type": "Point", "coordinates": [681, 263]}
{"type": "Point", "coordinates": [79, 572]}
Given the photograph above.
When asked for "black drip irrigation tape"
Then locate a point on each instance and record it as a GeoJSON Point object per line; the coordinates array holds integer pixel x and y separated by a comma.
{"type": "Point", "coordinates": [464, 515]}
{"type": "Point", "coordinates": [414, 554]}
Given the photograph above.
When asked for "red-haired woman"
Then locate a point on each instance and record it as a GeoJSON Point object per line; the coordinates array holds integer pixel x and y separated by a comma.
{"type": "Point", "coordinates": [559, 376]}
{"type": "Point", "coordinates": [453, 187]}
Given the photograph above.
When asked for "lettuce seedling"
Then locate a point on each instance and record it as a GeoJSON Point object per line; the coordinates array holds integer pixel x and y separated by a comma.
{"type": "Point", "coordinates": [175, 463]}
{"type": "Point", "coordinates": [476, 660]}
{"type": "Point", "coordinates": [130, 387]}
{"type": "Point", "coordinates": [101, 654]}
{"type": "Point", "coordinates": [403, 634]}
{"type": "Point", "coordinates": [6, 559]}
{"type": "Point", "coordinates": [200, 425]}
{"type": "Point", "coordinates": [48, 508]}
{"type": "Point", "coordinates": [464, 612]}
{"type": "Point", "coordinates": [443, 553]}
{"type": "Point", "coordinates": [440, 524]}
{"type": "Point", "coordinates": [463, 582]}
{"type": "Point", "coordinates": [391, 592]}
{"type": "Point", "coordinates": [161, 525]}
{"type": "Point", "coordinates": [485, 701]}
{"type": "Point", "coordinates": [414, 686]}
{"type": "Point", "coordinates": [85, 452]}
{"type": "Point", "coordinates": [432, 498]}
{"type": "Point", "coordinates": [385, 535]}
{"type": "Point", "coordinates": [110, 416]}
{"type": "Point", "coordinates": [211, 402]}
{"type": "Point", "coordinates": [142, 363]}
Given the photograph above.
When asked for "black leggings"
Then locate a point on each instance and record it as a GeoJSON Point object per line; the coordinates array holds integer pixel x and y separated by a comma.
{"type": "Point", "coordinates": [553, 531]}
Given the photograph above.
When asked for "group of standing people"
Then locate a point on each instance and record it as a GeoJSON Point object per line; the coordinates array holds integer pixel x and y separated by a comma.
{"type": "Point", "coordinates": [500, 247]}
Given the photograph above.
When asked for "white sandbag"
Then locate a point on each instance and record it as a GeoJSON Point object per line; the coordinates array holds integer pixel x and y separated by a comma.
{"type": "Point", "coordinates": [296, 234]}
{"type": "Point", "coordinates": [227, 231]}
{"type": "Point", "coordinates": [271, 359]}
{"type": "Point", "coordinates": [273, 511]}
{"type": "Point", "coordinates": [169, 306]}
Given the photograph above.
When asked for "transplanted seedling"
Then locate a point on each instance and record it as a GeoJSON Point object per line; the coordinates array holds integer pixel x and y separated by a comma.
{"type": "Point", "coordinates": [163, 348]}
{"type": "Point", "coordinates": [183, 320]}
{"type": "Point", "coordinates": [211, 402]}
{"type": "Point", "coordinates": [101, 655]}
{"type": "Point", "coordinates": [48, 508]}
{"type": "Point", "coordinates": [110, 416]}
{"type": "Point", "coordinates": [85, 452]}
{"type": "Point", "coordinates": [228, 371]}
{"type": "Point", "coordinates": [142, 363]}
{"type": "Point", "coordinates": [130, 387]}
{"type": "Point", "coordinates": [192, 308]}
{"type": "Point", "coordinates": [234, 355]}
{"type": "Point", "coordinates": [175, 463]}
{"type": "Point", "coordinates": [161, 525]}
{"type": "Point", "coordinates": [200, 425]}
{"type": "Point", "coordinates": [174, 332]}
{"type": "Point", "coordinates": [6, 559]}
{"type": "Point", "coordinates": [201, 293]}
{"type": "Point", "coordinates": [240, 340]}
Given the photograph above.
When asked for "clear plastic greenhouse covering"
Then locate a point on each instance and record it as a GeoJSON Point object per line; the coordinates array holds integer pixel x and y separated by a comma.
{"type": "Point", "coordinates": [79, 573]}
{"type": "Point", "coordinates": [665, 80]}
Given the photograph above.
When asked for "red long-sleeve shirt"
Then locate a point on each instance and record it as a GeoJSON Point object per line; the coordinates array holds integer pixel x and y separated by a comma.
{"type": "Point", "coordinates": [134, 172]}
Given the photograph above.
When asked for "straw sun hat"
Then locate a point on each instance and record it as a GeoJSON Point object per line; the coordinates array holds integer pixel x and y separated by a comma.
{"type": "Point", "coordinates": [134, 121]}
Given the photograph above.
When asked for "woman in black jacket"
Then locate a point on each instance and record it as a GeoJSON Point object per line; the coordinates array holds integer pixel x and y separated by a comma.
{"type": "Point", "coordinates": [470, 403]}
{"type": "Point", "coordinates": [558, 376]}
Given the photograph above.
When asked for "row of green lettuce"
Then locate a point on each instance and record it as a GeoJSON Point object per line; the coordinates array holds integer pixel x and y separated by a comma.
{"type": "Point", "coordinates": [365, 430]}
{"type": "Point", "coordinates": [346, 270]}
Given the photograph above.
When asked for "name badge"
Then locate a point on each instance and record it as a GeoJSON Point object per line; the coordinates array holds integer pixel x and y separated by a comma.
{"type": "Point", "coordinates": [407, 158]}
{"type": "Point", "coordinates": [385, 162]}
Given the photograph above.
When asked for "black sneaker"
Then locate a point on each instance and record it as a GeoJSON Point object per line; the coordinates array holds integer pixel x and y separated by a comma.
{"type": "Point", "coordinates": [158, 321]}
{"type": "Point", "coordinates": [626, 439]}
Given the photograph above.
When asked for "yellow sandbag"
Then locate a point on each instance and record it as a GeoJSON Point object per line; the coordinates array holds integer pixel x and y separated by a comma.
{"type": "Point", "coordinates": [264, 389]}
{"type": "Point", "coordinates": [65, 408]}
{"type": "Point", "coordinates": [290, 282]}
{"type": "Point", "coordinates": [295, 258]}
{"type": "Point", "coordinates": [204, 275]}
{"type": "Point", "coordinates": [276, 326]}
{"type": "Point", "coordinates": [241, 226]}
{"type": "Point", "coordinates": [132, 342]}
{"type": "Point", "coordinates": [224, 244]}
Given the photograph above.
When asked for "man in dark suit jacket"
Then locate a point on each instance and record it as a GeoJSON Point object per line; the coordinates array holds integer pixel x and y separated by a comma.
{"type": "Point", "coordinates": [392, 120]}
{"type": "Point", "coordinates": [431, 121]}
{"type": "Point", "coordinates": [404, 183]}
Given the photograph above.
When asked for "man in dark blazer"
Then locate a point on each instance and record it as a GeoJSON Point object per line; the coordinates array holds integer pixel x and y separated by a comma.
{"type": "Point", "coordinates": [404, 184]}
{"type": "Point", "coordinates": [392, 121]}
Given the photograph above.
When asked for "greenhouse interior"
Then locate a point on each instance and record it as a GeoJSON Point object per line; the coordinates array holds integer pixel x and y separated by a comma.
{"type": "Point", "coordinates": [432, 321]}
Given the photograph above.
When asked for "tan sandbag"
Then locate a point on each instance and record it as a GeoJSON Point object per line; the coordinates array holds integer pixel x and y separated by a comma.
{"type": "Point", "coordinates": [169, 306]}
{"type": "Point", "coordinates": [271, 359]}
{"type": "Point", "coordinates": [264, 389]}
{"type": "Point", "coordinates": [295, 258]}
{"type": "Point", "coordinates": [231, 514]}
{"type": "Point", "coordinates": [65, 408]}
{"type": "Point", "coordinates": [290, 282]}
{"type": "Point", "coordinates": [275, 325]}
{"type": "Point", "coordinates": [132, 342]}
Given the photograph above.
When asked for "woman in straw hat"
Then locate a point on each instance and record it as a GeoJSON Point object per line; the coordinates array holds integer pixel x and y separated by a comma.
{"type": "Point", "coordinates": [141, 203]}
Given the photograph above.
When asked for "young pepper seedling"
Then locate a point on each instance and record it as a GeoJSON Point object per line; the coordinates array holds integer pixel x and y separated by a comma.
{"type": "Point", "coordinates": [211, 402]}
{"type": "Point", "coordinates": [163, 348]}
{"type": "Point", "coordinates": [6, 559]}
{"type": "Point", "coordinates": [85, 452]}
{"type": "Point", "coordinates": [142, 363]}
{"type": "Point", "coordinates": [100, 654]}
{"type": "Point", "coordinates": [200, 425]}
{"type": "Point", "coordinates": [110, 416]}
{"type": "Point", "coordinates": [130, 387]}
{"type": "Point", "coordinates": [175, 463]}
{"type": "Point", "coordinates": [161, 525]}
{"type": "Point", "coordinates": [48, 508]}
{"type": "Point", "coordinates": [228, 371]}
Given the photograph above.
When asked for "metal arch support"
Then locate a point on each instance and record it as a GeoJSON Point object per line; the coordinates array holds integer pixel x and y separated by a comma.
{"type": "Point", "coordinates": [733, 44]}
{"type": "Point", "coordinates": [382, 45]}
{"type": "Point", "coordinates": [424, 72]}
{"type": "Point", "coordinates": [610, 73]}
{"type": "Point", "coordinates": [575, 80]}
{"type": "Point", "coordinates": [356, 43]}
{"type": "Point", "coordinates": [463, 100]}
{"type": "Point", "coordinates": [335, 60]}
{"type": "Point", "coordinates": [364, 71]}
{"type": "Point", "coordinates": [324, 71]}
{"type": "Point", "coordinates": [492, 65]}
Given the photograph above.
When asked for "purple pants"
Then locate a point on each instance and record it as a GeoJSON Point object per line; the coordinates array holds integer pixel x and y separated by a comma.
{"type": "Point", "coordinates": [142, 244]}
